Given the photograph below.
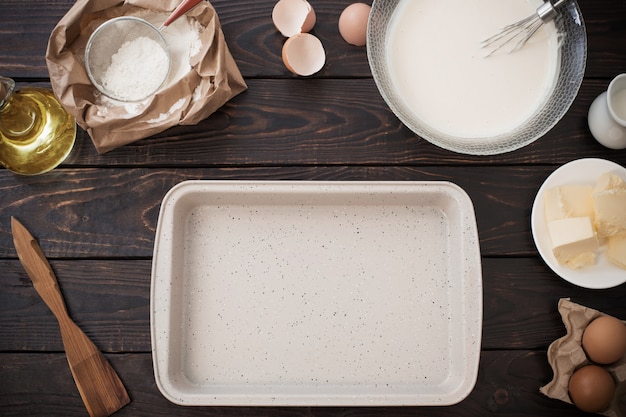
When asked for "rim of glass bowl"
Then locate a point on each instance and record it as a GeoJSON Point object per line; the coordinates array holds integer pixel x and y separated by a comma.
{"type": "Point", "coordinates": [105, 27]}
{"type": "Point", "coordinates": [573, 56]}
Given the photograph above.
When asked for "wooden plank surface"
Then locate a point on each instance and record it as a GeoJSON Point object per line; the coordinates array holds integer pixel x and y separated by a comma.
{"type": "Point", "coordinates": [256, 45]}
{"type": "Point", "coordinates": [96, 215]}
{"type": "Point", "coordinates": [507, 385]}
{"type": "Point", "coordinates": [280, 122]}
{"type": "Point", "coordinates": [110, 300]}
{"type": "Point", "coordinates": [113, 212]}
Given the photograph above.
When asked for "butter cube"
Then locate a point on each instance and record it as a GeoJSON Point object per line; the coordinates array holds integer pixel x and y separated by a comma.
{"type": "Point", "coordinates": [574, 241]}
{"type": "Point", "coordinates": [568, 201]}
{"type": "Point", "coordinates": [582, 260]}
{"type": "Point", "coordinates": [609, 202]}
{"type": "Point", "coordinates": [616, 251]}
{"type": "Point", "coordinates": [608, 181]}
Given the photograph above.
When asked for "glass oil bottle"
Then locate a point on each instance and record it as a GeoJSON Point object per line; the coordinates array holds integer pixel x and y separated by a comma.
{"type": "Point", "coordinates": [36, 133]}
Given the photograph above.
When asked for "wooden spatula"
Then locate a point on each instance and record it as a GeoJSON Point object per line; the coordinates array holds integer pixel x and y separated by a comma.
{"type": "Point", "coordinates": [100, 387]}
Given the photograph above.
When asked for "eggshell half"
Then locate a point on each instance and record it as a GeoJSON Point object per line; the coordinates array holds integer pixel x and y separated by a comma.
{"type": "Point", "coordinates": [293, 16]}
{"type": "Point", "coordinates": [303, 54]}
{"type": "Point", "coordinates": [353, 23]}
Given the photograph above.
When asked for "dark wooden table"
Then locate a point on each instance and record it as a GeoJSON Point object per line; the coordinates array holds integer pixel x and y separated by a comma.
{"type": "Point", "coordinates": [95, 216]}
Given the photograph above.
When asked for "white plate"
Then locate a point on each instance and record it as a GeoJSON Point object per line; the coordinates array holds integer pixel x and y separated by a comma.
{"type": "Point", "coordinates": [585, 172]}
{"type": "Point", "coordinates": [316, 293]}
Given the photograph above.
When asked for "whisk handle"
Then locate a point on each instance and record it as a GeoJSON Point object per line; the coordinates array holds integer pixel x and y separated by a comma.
{"type": "Point", "coordinates": [182, 8]}
{"type": "Point", "coordinates": [547, 10]}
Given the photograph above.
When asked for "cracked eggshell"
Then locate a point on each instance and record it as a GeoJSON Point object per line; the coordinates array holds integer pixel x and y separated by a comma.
{"type": "Point", "coordinates": [303, 54]}
{"type": "Point", "coordinates": [293, 16]}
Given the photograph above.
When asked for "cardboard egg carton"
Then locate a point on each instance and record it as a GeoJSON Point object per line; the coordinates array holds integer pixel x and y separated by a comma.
{"type": "Point", "coordinates": [566, 354]}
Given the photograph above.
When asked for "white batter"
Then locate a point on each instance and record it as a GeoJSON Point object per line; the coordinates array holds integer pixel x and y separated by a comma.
{"type": "Point", "coordinates": [442, 74]}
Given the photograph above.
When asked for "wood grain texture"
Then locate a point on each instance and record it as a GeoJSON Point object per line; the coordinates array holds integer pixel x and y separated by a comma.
{"type": "Point", "coordinates": [99, 386]}
{"type": "Point", "coordinates": [329, 122]}
{"type": "Point", "coordinates": [508, 385]}
{"type": "Point", "coordinates": [256, 45]}
{"type": "Point", "coordinates": [96, 216]}
{"type": "Point", "coordinates": [114, 212]}
{"type": "Point", "coordinates": [110, 301]}
{"type": "Point", "coordinates": [282, 122]}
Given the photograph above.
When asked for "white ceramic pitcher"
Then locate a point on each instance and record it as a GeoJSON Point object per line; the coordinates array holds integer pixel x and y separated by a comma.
{"type": "Point", "coordinates": [607, 115]}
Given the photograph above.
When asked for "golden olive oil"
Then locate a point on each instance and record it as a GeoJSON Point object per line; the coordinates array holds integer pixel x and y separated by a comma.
{"type": "Point", "coordinates": [36, 133]}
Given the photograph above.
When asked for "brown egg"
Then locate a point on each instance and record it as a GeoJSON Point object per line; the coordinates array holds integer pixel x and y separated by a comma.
{"type": "Point", "coordinates": [604, 340]}
{"type": "Point", "coordinates": [591, 388]}
{"type": "Point", "coordinates": [353, 23]}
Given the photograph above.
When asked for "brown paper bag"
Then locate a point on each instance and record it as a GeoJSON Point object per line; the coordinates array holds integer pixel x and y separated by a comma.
{"type": "Point", "coordinates": [212, 80]}
{"type": "Point", "coordinates": [566, 354]}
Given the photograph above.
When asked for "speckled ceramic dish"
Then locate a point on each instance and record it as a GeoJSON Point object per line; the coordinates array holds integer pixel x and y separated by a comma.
{"type": "Point", "coordinates": [316, 293]}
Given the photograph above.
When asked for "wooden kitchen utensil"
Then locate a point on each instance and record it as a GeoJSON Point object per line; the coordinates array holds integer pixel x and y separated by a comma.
{"type": "Point", "coordinates": [100, 387]}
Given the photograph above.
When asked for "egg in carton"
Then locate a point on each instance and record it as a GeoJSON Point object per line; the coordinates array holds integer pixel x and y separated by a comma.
{"type": "Point", "coordinates": [566, 355]}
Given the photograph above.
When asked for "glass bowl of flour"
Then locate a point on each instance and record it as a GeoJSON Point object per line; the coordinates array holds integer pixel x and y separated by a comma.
{"type": "Point", "coordinates": [127, 59]}
{"type": "Point", "coordinates": [427, 62]}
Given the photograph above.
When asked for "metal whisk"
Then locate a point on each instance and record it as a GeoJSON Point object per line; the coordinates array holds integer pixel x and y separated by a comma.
{"type": "Point", "coordinates": [517, 34]}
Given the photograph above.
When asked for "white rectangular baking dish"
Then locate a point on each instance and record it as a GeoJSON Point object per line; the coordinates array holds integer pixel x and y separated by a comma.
{"type": "Point", "coordinates": [316, 293]}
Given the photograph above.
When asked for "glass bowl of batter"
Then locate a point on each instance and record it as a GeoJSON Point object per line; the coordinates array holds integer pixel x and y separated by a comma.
{"type": "Point", "coordinates": [127, 59]}
{"type": "Point", "coordinates": [428, 64]}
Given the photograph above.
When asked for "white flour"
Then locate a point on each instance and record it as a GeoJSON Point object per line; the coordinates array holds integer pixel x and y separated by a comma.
{"type": "Point", "coordinates": [183, 39]}
{"type": "Point", "coordinates": [131, 108]}
{"type": "Point", "coordinates": [163, 116]}
{"type": "Point", "coordinates": [129, 81]}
